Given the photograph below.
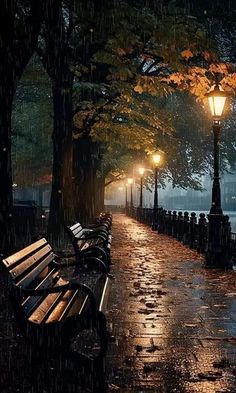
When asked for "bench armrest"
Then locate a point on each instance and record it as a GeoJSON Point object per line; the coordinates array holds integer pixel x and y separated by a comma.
{"type": "Point", "coordinates": [59, 264]}
{"type": "Point", "coordinates": [97, 228]}
{"type": "Point", "coordinates": [87, 230]}
{"type": "Point", "coordinates": [91, 235]}
{"type": "Point", "coordinates": [94, 235]}
{"type": "Point", "coordinates": [64, 255]}
{"type": "Point", "coordinates": [60, 260]}
{"type": "Point", "coordinates": [94, 261]}
{"type": "Point", "coordinates": [73, 283]}
{"type": "Point", "coordinates": [92, 250]}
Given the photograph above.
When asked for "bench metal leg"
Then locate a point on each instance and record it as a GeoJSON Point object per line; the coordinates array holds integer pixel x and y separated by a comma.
{"type": "Point", "coordinates": [102, 333]}
{"type": "Point", "coordinates": [99, 376]}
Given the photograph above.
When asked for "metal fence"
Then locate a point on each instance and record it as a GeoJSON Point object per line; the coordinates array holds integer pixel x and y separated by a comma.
{"type": "Point", "coordinates": [185, 227]}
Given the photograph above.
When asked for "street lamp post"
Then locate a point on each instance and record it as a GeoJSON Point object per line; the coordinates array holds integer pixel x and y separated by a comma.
{"type": "Point", "coordinates": [130, 181]}
{"type": "Point", "coordinates": [126, 198]}
{"type": "Point", "coordinates": [156, 161]}
{"type": "Point", "coordinates": [120, 189]}
{"type": "Point", "coordinates": [219, 231]}
{"type": "Point", "coordinates": [155, 203]}
{"type": "Point", "coordinates": [141, 172]}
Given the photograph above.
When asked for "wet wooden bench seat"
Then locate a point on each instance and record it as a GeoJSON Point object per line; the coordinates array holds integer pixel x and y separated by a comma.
{"type": "Point", "coordinates": [49, 307]}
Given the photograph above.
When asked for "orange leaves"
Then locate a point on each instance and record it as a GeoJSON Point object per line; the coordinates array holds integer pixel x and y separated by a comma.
{"type": "Point", "coordinates": [127, 98]}
{"type": "Point", "coordinates": [229, 82]}
{"type": "Point", "coordinates": [120, 52]}
{"type": "Point", "coordinates": [177, 78]}
{"type": "Point", "coordinates": [145, 84]}
{"type": "Point", "coordinates": [221, 68]}
{"type": "Point", "coordinates": [210, 57]}
{"type": "Point", "coordinates": [152, 85]}
{"type": "Point", "coordinates": [198, 80]}
{"type": "Point", "coordinates": [197, 71]}
{"type": "Point", "coordinates": [138, 89]}
{"type": "Point", "coordinates": [187, 54]}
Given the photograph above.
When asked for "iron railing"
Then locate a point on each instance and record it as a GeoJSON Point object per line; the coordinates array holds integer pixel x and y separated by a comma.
{"type": "Point", "coordinates": [187, 228]}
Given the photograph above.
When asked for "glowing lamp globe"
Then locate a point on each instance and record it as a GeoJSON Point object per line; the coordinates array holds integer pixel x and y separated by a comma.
{"type": "Point", "coordinates": [141, 171]}
{"type": "Point", "coordinates": [217, 98]}
{"type": "Point", "coordinates": [156, 159]}
{"type": "Point", "coordinates": [130, 180]}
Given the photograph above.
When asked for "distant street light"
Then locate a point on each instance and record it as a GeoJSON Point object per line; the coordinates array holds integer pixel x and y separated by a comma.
{"type": "Point", "coordinates": [141, 172]}
{"type": "Point", "coordinates": [126, 197]}
{"type": "Point", "coordinates": [130, 181]}
{"type": "Point", "coordinates": [156, 159]}
{"type": "Point", "coordinates": [217, 253]}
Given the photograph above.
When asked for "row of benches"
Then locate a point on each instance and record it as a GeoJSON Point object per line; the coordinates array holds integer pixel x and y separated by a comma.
{"type": "Point", "coordinates": [56, 295]}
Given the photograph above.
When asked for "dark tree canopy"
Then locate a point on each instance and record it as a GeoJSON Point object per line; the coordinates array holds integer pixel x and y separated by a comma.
{"type": "Point", "coordinates": [120, 76]}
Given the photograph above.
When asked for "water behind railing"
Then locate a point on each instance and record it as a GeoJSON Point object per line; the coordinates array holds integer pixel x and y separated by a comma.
{"type": "Point", "coordinates": [231, 214]}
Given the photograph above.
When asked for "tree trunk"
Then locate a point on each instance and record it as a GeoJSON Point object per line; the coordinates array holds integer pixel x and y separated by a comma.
{"type": "Point", "coordinates": [89, 183]}
{"type": "Point", "coordinates": [6, 200]}
{"type": "Point", "coordinates": [84, 179]}
{"type": "Point", "coordinates": [99, 194]}
{"type": "Point", "coordinates": [56, 62]}
{"type": "Point", "coordinates": [61, 203]}
{"type": "Point", "coordinates": [15, 51]}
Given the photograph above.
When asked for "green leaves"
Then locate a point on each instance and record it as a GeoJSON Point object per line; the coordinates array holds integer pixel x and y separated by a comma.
{"type": "Point", "coordinates": [32, 129]}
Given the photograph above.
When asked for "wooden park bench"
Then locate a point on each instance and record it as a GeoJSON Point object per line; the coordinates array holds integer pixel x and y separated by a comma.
{"type": "Point", "coordinates": [50, 308]}
{"type": "Point", "coordinates": [101, 225]}
{"type": "Point", "coordinates": [88, 242]}
{"type": "Point", "coordinates": [104, 219]}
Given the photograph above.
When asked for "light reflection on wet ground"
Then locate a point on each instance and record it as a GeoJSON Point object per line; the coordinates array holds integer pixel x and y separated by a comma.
{"type": "Point", "coordinates": [173, 322]}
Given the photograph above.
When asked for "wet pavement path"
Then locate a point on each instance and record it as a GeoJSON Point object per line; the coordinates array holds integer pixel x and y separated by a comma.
{"type": "Point", "coordinates": [173, 322]}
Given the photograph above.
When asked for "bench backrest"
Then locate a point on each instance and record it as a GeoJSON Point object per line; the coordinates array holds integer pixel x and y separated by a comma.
{"type": "Point", "coordinates": [76, 234]}
{"type": "Point", "coordinates": [32, 268]}
{"type": "Point", "coordinates": [76, 230]}
{"type": "Point", "coordinates": [27, 265]}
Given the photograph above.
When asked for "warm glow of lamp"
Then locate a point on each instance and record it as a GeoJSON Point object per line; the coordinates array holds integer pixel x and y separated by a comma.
{"type": "Point", "coordinates": [120, 188]}
{"type": "Point", "coordinates": [141, 171]}
{"type": "Point", "coordinates": [156, 158]}
{"type": "Point", "coordinates": [216, 98]}
{"type": "Point", "coordinates": [130, 180]}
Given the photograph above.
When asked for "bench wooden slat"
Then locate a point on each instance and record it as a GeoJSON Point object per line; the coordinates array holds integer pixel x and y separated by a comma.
{"type": "Point", "coordinates": [75, 226]}
{"type": "Point", "coordinates": [31, 302]}
{"type": "Point", "coordinates": [78, 232]}
{"type": "Point", "coordinates": [62, 309]}
{"type": "Point", "coordinates": [91, 243]}
{"type": "Point", "coordinates": [80, 242]}
{"type": "Point", "coordinates": [18, 256]}
{"type": "Point", "coordinates": [57, 311]}
{"type": "Point", "coordinates": [77, 308]}
{"type": "Point", "coordinates": [29, 262]}
{"type": "Point", "coordinates": [26, 280]}
{"type": "Point", "coordinates": [44, 309]}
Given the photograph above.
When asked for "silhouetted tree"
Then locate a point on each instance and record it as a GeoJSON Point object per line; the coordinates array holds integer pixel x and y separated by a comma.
{"type": "Point", "coordinates": [20, 23]}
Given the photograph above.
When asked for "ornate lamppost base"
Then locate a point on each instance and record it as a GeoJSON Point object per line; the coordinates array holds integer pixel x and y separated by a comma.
{"type": "Point", "coordinates": [218, 254]}
{"type": "Point", "coordinates": [155, 219]}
